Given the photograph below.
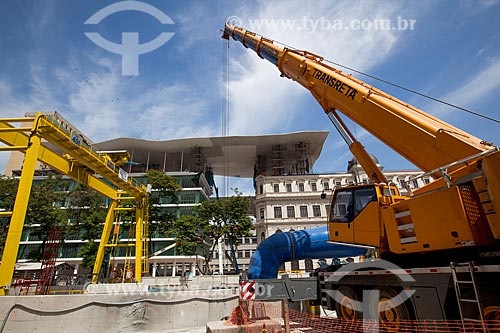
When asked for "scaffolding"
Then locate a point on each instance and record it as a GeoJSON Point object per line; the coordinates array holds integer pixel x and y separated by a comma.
{"type": "Point", "coordinates": [48, 262]}
{"type": "Point", "coordinates": [278, 159]}
{"type": "Point", "coordinates": [302, 160]}
{"type": "Point", "coordinates": [286, 159]}
{"type": "Point", "coordinates": [199, 160]}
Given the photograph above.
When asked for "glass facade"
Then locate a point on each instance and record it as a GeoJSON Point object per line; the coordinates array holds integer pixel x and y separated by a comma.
{"type": "Point", "coordinates": [188, 198]}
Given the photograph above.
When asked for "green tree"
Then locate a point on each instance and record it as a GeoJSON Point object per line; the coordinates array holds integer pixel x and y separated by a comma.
{"type": "Point", "coordinates": [44, 213]}
{"type": "Point", "coordinates": [188, 233]}
{"type": "Point", "coordinates": [88, 252]}
{"type": "Point", "coordinates": [8, 191]}
{"type": "Point", "coordinates": [225, 217]}
{"type": "Point", "coordinates": [87, 212]}
{"type": "Point", "coordinates": [163, 191]}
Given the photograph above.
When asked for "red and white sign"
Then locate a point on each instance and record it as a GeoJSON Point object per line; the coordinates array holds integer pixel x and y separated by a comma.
{"type": "Point", "coordinates": [247, 289]}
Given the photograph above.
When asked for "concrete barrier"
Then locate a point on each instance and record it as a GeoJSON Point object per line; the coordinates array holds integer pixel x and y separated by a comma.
{"type": "Point", "coordinates": [195, 285]}
{"type": "Point", "coordinates": [127, 311]}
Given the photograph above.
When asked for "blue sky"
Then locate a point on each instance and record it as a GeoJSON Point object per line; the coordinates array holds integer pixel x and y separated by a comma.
{"type": "Point", "coordinates": [47, 63]}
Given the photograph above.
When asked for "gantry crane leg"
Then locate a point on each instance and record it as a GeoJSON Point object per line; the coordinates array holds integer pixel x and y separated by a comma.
{"type": "Point", "coordinates": [106, 231]}
{"type": "Point", "coordinates": [11, 248]}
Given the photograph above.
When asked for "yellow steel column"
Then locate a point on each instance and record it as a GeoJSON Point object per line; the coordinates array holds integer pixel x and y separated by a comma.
{"type": "Point", "coordinates": [145, 238]}
{"type": "Point", "coordinates": [108, 226]}
{"type": "Point", "coordinates": [18, 214]}
{"type": "Point", "coordinates": [138, 241]}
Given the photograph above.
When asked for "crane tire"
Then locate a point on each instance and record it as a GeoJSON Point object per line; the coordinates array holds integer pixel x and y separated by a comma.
{"type": "Point", "coordinates": [388, 309]}
{"type": "Point", "coordinates": [345, 306]}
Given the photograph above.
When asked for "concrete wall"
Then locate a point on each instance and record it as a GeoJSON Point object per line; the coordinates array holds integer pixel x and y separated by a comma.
{"type": "Point", "coordinates": [126, 311]}
{"type": "Point", "coordinates": [196, 282]}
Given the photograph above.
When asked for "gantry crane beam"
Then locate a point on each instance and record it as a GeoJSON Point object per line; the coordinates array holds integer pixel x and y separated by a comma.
{"type": "Point", "coordinates": [18, 140]}
{"type": "Point", "coordinates": [54, 129]}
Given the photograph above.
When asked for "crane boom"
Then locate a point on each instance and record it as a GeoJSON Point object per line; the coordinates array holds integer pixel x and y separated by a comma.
{"type": "Point", "coordinates": [422, 139]}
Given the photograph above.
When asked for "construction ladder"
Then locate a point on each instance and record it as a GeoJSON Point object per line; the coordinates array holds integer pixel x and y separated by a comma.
{"type": "Point", "coordinates": [463, 290]}
{"type": "Point", "coordinates": [48, 262]}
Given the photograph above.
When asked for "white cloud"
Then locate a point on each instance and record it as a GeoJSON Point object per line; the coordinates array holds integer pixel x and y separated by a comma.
{"type": "Point", "coordinates": [10, 104]}
{"type": "Point", "coordinates": [484, 83]}
{"type": "Point", "coordinates": [193, 23]}
{"type": "Point", "coordinates": [479, 52]}
{"type": "Point", "coordinates": [489, 3]}
{"type": "Point", "coordinates": [263, 102]}
{"type": "Point", "coordinates": [468, 5]}
{"type": "Point", "coordinates": [173, 112]}
{"type": "Point", "coordinates": [38, 15]}
{"type": "Point", "coordinates": [104, 107]}
{"type": "Point", "coordinates": [97, 99]}
{"type": "Point", "coordinates": [5, 89]}
{"type": "Point", "coordinates": [257, 98]}
{"type": "Point", "coordinates": [316, 29]}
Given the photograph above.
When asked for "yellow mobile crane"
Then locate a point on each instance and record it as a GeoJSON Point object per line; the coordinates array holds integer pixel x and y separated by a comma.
{"type": "Point", "coordinates": [455, 218]}
{"type": "Point", "coordinates": [53, 141]}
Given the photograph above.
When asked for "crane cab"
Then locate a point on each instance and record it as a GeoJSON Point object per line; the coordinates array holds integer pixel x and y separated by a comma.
{"type": "Point", "coordinates": [354, 216]}
{"type": "Point", "coordinates": [376, 216]}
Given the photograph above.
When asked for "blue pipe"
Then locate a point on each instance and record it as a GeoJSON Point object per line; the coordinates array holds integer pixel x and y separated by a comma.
{"type": "Point", "coordinates": [297, 245]}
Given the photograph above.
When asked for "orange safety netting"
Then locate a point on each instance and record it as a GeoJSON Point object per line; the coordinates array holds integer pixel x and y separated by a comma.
{"type": "Point", "coordinates": [301, 321]}
{"type": "Point", "coordinates": [315, 324]}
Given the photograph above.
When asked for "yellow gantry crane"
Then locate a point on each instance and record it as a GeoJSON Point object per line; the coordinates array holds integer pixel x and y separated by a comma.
{"type": "Point", "coordinates": [53, 141]}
